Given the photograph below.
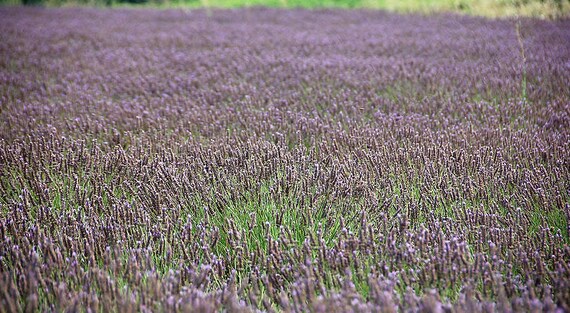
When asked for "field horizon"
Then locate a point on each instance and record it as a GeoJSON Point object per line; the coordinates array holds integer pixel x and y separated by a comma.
{"type": "Point", "coordinates": [544, 9]}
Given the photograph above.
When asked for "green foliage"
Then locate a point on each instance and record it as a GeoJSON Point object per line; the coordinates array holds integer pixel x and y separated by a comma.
{"type": "Point", "coordinates": [491, 8]}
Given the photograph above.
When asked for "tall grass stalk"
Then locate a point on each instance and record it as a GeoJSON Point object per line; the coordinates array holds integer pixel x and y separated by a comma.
{"type": "Point", "coordinates": [523, 61]}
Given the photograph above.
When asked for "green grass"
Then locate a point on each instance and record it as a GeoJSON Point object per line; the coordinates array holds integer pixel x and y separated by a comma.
{"type": "Point", "coordinates": [259, 214]}
{"type": "Point", "coordinates": [489, 8]}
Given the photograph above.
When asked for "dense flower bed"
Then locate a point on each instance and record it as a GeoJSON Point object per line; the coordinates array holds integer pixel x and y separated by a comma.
{"type": "Point", "coordinates": [283, 160]}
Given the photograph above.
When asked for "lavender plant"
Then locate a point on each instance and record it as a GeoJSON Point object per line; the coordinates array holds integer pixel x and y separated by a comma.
{"type": "Point", "coordinates": [276, 160]}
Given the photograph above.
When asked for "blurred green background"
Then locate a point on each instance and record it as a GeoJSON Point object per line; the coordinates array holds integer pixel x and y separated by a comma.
{"type": "Point", "coordinates": [491, 8]}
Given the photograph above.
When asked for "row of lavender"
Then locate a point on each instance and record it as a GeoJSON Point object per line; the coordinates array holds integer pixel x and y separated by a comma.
{"type": "Point", "coordinates": [283, 160]}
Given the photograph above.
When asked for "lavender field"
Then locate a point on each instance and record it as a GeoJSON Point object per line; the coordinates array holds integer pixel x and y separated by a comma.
{"type": "Point", "coordinates": [283, 161]}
